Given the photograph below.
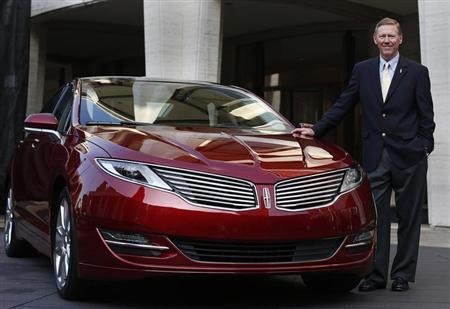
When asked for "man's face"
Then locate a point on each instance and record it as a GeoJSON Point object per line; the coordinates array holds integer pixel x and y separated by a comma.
{"type": "Point", "coordinates": [388, 40]}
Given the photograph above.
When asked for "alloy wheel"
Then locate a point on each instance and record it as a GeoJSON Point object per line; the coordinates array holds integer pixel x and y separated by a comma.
{"type": "Point", "coordinates": [62, 249]}
{"type": "Point", "coordinates": [9, 219]}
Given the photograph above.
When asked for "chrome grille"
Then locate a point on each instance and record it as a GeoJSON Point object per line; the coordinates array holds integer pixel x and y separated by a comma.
{"type": "Point", "coordinates": [228, 252]}
{"type": "Point", "coordinates": [308, 191]}
{"type": "Point", "coordinates": [210, 190]}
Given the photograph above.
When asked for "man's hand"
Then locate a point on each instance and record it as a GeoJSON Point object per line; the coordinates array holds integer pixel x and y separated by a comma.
{"type": "Point", "coordinates": [305, 131]}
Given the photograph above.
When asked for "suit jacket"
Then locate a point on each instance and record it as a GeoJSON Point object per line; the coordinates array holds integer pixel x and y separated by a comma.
{"type": "Point", "coordinates": [403, 124]}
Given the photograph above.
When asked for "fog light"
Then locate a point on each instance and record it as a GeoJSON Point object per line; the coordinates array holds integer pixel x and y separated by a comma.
{"type": "Point", "coordinates": [363, 237]}
{"type": "Point", "coordinates": [361, 242]}
{"type": "Point", "coordinates": [131, 243]}
{"type": "Point", "coordinates": [131, 238]}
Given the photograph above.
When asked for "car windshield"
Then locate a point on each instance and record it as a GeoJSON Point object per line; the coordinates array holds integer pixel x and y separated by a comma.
{"type": "Point", "coordinates": [127, 101]}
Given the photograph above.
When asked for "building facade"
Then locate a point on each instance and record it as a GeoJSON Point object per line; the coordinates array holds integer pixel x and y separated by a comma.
{"type": "Point", "coordinates": [297, 54]}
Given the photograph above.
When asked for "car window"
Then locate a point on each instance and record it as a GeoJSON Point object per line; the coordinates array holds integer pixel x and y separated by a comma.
{"type": "Point", "coordinates": [66, 98]}
{"type": "Point", "coordinates": [174, 104]}
{"type": "Point", "coordinates": [49, 106]}
{"type": "Point", "coordinates": [91, 111]}
{"type": "Point", "coordinates": [65, 118]}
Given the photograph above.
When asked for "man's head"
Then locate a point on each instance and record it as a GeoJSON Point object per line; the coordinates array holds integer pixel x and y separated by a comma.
{"type": "Point", "coordinates": [388, 37]}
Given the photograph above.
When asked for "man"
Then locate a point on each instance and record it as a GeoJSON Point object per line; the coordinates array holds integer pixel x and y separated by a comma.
{"type": "Point", "coordinates": [397, 132]}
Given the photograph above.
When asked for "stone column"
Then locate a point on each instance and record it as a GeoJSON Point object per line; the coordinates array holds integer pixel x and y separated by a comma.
{"type": "Point", "coordinates": [434, 22]}
{"type": "Point", "coordinates": [36, 73]}
{"type": "Point", "coordinates": [183, 39]}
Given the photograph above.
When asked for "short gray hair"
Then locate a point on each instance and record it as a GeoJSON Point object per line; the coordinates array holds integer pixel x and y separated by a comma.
{"type": "Point", "coordinates": [388, 21]}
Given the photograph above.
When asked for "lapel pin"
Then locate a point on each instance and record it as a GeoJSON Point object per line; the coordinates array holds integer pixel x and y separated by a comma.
{"type": "Point", "coordinates": [401, 70]}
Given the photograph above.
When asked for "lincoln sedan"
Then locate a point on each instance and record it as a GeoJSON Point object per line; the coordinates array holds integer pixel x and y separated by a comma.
{"type": "Point", "coordinates": [126, 177]}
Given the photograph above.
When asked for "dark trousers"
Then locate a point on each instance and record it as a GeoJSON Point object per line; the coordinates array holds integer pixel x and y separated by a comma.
{"type": "Point", "coordinates": [409, 187]}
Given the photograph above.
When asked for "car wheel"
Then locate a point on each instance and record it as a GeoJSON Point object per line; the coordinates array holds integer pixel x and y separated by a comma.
{"type": "Point", "coordinates": [14, 247]}
{"type": "Point", "coordinates": [65, 261]}
{"type": "Point", "coordinates": [331, 282]}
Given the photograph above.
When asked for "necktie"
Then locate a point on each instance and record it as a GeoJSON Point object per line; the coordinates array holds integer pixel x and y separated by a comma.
{"type": "Point", "coordinates": [386, 81]}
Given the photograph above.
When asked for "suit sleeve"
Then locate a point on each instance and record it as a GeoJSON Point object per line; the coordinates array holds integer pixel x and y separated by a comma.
{"type": "Point", "coordinates": [425, 109]}
{"type": "Point", "coordinates": [348, 98]}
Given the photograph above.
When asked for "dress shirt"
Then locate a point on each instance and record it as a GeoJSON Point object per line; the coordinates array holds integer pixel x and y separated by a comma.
{"type": "Point", "coordinates": [393, 65]}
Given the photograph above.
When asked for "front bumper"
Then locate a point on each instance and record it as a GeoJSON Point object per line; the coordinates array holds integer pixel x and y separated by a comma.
{"type": "Point", "coordinates": [163, 218]}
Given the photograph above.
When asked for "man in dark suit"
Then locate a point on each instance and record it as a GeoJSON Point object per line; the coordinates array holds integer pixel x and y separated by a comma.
{"type": "Point", "coordinates": [397, 132]}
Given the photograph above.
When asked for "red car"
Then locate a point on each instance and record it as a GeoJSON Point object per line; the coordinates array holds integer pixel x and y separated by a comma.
{"type": "Point", "coordinates": [123, 177]}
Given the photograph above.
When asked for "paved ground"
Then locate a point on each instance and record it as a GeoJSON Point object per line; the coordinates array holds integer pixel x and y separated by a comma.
{"type": "Point", "coordinates": [28, 283]}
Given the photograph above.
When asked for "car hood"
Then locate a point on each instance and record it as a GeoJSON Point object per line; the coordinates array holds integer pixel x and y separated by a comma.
{"type": "Point", "coordinates": [227, 151]}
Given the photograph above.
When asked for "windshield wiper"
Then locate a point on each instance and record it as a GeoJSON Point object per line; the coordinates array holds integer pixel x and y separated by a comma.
{"type": "Point", "coordinates": [118, 123]}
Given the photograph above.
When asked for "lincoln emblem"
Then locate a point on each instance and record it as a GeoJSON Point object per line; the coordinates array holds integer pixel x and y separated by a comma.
{"type": "Point", "coordinates": [266, 197]}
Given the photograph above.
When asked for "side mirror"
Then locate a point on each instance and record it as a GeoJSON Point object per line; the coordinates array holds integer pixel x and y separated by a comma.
{"type": "Point", "coordinates": [42, 121]}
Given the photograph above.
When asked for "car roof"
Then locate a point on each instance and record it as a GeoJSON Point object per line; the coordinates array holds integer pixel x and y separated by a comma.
{"type": "Point", "coordinates": [145, 79]}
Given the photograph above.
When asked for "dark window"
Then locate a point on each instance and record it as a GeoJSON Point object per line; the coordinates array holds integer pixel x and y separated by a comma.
{"type": "Point", "coordinates": [49, 106]}
{"type": "Point", "coordinates": [64, 121]}
{"type": "Point", "coordinates": [66, 98]}
{"type": "Point", "coordinates": [63, 111]}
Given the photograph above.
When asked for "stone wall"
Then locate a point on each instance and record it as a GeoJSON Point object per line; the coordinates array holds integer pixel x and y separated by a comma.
{"type": "Point", "coordinates": [434, 22]}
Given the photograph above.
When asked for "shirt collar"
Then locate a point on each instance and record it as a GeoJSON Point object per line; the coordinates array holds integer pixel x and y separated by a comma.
{"type": "Point", "coordinates": [393, 62]}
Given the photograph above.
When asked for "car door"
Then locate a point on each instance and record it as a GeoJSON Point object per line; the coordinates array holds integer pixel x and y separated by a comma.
{"type": "Point", "coordinates": [35, 161]}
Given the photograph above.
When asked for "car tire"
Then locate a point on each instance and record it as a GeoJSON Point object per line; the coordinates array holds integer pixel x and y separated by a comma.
{"type": "Point", "coordinates": [14, 247]}
{"type": "Point", "coordinates": [331, 282]}
{"type": "Point", "coordinates": [64, 254]}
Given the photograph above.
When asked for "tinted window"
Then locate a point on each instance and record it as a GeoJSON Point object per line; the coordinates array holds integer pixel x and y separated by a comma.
{"type": "Point", "coordinates": [66, 98]}
{"type": "Point", "coordinates": [49, 106]}
{"type": "Point", "coordinates": [66, 115]}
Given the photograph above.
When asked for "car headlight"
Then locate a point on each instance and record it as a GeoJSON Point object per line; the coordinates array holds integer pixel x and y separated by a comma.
{"type": "Point", "coordinates": [133, 172]}
{"type": "Point", "coordinates": [353, 177]}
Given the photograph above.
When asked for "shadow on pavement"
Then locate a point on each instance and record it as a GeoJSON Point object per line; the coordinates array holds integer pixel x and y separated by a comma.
{"type": "Point", "coordinates": [28, 283]}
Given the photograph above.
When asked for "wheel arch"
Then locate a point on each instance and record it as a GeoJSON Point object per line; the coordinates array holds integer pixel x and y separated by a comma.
{"type": "Point", "coordinates": [4, 191]}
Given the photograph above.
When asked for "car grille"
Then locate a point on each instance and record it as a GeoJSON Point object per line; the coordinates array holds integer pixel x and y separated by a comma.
{"type": "Point", "coordinates": [308, 191]}
{"type": "Point", "coordinates": [224, 252]}
{"type": "Point", "coordinates": [210, 190]}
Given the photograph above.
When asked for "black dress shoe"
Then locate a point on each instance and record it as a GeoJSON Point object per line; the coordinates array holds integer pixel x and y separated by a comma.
{"type": "Point", "coordinates": [370, 285]}
{"type": "Point", "coordinates": [400, 285]}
